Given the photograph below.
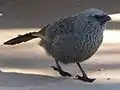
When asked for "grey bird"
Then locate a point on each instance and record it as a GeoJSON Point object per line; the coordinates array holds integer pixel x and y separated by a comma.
{"type": "Point", "coordinates": [71, 40]}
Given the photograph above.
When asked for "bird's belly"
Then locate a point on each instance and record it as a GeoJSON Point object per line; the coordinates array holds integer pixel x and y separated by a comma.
{"type": "Point", "coordinates": [75, 51]}
{"type": "Point", "coordinates": [71, 49]}
{"type": "Point", "coordinates": [74, 55]}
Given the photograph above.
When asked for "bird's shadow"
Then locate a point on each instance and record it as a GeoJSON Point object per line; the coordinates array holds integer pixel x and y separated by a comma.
{"type": "Point", "coordinates": [20, 79]}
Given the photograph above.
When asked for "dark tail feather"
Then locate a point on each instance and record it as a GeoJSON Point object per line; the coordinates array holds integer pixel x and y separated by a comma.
{"type": "Point", "coordinates": [20, 39]}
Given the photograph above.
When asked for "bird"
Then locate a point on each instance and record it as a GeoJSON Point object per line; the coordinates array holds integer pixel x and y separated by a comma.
{"type": "Point", "coordinates": [72, 39]}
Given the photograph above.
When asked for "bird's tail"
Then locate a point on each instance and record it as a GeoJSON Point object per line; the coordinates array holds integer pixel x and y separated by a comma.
{"type": "Point", "coordinates": [21, 38]}
{"type": "Point", "coordinates": [27, 37]}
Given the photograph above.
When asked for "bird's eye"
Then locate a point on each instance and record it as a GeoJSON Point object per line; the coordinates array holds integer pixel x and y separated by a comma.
{"type": "Point", "coordinates": [97, 17]}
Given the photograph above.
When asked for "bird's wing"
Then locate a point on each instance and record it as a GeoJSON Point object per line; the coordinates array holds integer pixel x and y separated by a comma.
{"type": "Point", "coordinates": [59, 28]}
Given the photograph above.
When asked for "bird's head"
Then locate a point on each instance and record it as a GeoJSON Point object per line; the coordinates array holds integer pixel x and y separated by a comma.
{"type": "Point", "coordinates": [97, 15]}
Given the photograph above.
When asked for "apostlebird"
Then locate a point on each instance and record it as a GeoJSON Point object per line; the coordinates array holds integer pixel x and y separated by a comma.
{"type": "Point", "coordinates": [71, 39]}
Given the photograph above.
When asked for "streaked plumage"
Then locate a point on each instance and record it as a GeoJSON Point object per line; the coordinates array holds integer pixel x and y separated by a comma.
{"type": "Point", "coordinates": [72, 39]}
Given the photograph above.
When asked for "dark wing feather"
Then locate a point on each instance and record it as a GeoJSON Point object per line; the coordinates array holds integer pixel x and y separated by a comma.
{"type": "Point", "coordinates": [61, 27]}
{"type": "Point", "coordinates": [20, 39]}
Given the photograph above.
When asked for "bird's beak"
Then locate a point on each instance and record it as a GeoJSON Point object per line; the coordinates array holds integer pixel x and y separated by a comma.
{"type": "Point", "coordinates": [107, 18]}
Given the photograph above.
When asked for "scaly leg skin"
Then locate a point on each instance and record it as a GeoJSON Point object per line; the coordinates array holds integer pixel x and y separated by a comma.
{"type": "Point", "coordinates": [84, 77]}
{"type": "Point", "coordinates": [59, 69]}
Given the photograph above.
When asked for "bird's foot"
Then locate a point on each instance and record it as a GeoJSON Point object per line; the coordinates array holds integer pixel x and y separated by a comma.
{"type": "Point", "coordinates": [61, 72]}
{"type": "Point", "coordinates": [85, 78]}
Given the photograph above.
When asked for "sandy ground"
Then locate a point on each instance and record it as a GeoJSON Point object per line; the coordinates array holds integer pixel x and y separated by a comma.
{"type": "Point", "coordinates": [27, 67]}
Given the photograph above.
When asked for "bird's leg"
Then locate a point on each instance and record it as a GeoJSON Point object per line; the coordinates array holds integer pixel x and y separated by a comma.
{"type": "Point", "coordinates": [84, 77]}
{"type": "Point", "coordinates": [59, 69]}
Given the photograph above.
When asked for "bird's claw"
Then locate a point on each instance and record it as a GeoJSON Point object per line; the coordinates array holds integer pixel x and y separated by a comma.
{"type": "Point", "coordinates": [61, 72]}
{"type": "Point", "coordinates": [84, 78]}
